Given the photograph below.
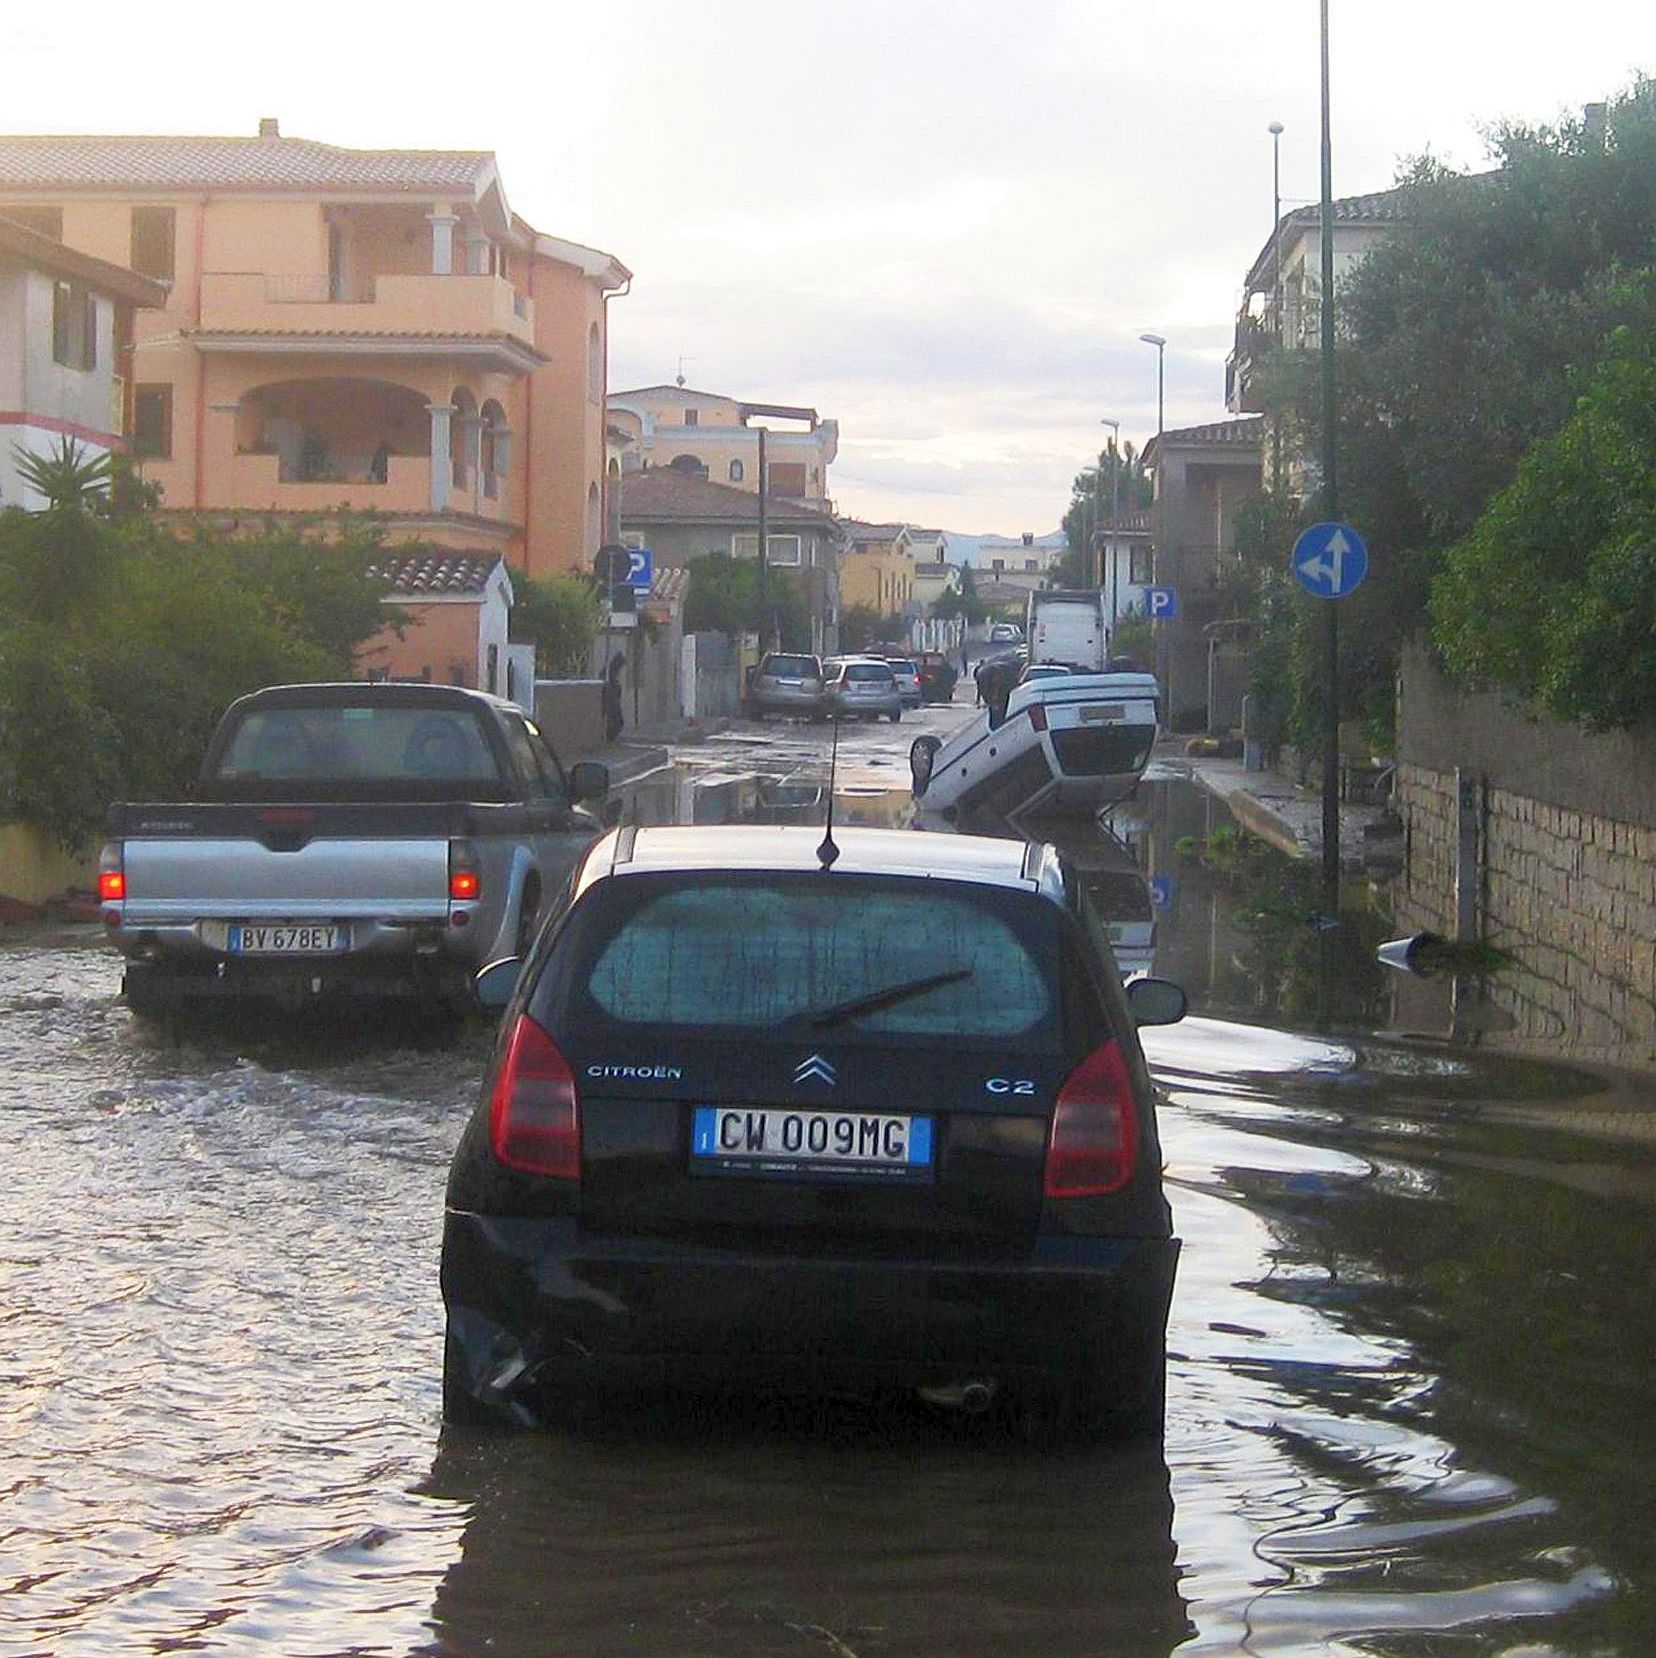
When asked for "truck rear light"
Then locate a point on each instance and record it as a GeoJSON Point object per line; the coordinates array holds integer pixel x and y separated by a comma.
{"type": "Point", "coordinates": [111, 873]}
{"type": "Point", "coordinates": [1037, 716]}
{"type": "Point", "coordinates": [1092, 1148]}
{"type": "Point", "coordinates": [465, 879]}
{"type": "Point", "coordinates": [533, 1124]}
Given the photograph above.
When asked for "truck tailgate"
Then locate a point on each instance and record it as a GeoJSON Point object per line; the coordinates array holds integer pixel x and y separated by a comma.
{"type": "Point", "coordinates": [187, 879]}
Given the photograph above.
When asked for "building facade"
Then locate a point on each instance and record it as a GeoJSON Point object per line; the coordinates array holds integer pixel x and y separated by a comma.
{"type": "Point", "coordinates": [1204, 477]}
{"type": "Point", "coordinates": [716, 438]}
{"type": "Point", "coordinates": [877, 570]}
{"type": "Point", "coordinates": [66, 326]}
{"type": "Point", "coordinates": [361, 330]}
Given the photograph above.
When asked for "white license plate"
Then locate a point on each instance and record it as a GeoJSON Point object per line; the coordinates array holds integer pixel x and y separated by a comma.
{"type": "Point", "coordinates": [284, 938]}
{"type": "Point", "coordinates": [1099, 713]}
{"type": "Point", "coordinates": [768, 1140]}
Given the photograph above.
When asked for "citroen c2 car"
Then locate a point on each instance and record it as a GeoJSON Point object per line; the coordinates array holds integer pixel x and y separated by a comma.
{"type": "Point", "coordinates": [769, 1111]}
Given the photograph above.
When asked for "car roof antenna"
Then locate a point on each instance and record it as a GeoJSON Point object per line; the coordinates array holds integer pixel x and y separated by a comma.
{"type": "Point", "coordinates": [827, 852]}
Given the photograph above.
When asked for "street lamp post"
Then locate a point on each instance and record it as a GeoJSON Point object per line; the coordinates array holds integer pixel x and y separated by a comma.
{"type": "Point", "coordinates": [1161, 357]}
{"type": "Point", "coordinates": [1115, 506]}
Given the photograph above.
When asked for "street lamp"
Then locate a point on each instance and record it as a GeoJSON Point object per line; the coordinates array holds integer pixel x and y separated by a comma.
{"type": "Point", "coordinates": [1115, 495]}
{"type": "Point", "coordinates": [1275, 130]}
{"type": "Point", "coordinates": [1161, 356]}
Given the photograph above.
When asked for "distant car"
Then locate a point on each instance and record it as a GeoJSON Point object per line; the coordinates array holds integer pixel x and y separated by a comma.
{"type": "Point", "coordinates": [787, 684]}
{"type": "Point", "coordinates": [907, 674]}
{"type": "Point", "coordinates": [1005, 633]}
{"type": "Point", "coordinates": [862, 687]}
{"type": "Point", "coordinates": [757, 1117]}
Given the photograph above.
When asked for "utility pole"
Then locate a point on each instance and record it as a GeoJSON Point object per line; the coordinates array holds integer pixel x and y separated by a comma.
{"type": "Point", "coordinates": [1331, 514]}
{"type": "Point", "coordinates": [764, 548]}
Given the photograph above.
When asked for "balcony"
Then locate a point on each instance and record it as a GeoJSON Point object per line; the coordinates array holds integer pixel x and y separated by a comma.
{"type": "Point", "coordinates": [255, 302]}
{"type": "Point", "coordinates": [1255, 340]}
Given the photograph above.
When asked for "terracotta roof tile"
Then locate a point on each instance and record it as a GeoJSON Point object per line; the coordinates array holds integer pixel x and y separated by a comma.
{"type": "Point", "coordinates": [663, 494]}
{"type": "Point", "coordinates": [93, 163]}
{"type": "Point", "coordinates": [431, 571]}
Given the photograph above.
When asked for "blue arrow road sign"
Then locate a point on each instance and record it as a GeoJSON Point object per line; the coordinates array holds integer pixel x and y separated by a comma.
{"type": "Point", "coordinates": [640, 569]}
{"type": "Point", "coordinates": [1161, 604]}
{"type": "Point", "coordinates": [1330, 560]}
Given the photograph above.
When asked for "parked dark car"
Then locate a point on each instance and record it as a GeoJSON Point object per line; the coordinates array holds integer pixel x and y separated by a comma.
{"type": "Point", "coordinates": [756, 1117]}
{"type": "Point", "coordinates": [787, 683]}
{"type": "Point", "coordinates": [938, 676]}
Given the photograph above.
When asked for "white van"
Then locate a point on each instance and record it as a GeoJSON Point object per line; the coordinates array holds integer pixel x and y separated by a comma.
{"type": "Point", "coordinates": [1068, 627]}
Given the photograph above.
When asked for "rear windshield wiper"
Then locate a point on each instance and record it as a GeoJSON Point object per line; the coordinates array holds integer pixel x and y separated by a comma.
{"type": "Point", "coordinates": [877, 999]}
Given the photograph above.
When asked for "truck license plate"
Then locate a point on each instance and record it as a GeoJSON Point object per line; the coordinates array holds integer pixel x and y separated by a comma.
{"type": "Point", "coordinates": [767, 1140]}
{"type": "Point", "coordinates": [285, 938]}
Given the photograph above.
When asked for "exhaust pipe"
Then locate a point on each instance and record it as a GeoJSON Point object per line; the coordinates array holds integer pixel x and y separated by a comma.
{"type": "Point", "coordinates": [971, 1397]}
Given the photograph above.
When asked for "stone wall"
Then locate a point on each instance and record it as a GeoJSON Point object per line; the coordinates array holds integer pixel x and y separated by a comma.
{"type": "Point", "coordinates": [1565, 861]}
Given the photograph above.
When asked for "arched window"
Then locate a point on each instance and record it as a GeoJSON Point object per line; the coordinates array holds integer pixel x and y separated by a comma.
{"type": "Point", "coordinates": [737, 472]}
{"type": "Point", "coordinates": [595, 366]}
{"type": "Point", "coordinates": [593, 515]}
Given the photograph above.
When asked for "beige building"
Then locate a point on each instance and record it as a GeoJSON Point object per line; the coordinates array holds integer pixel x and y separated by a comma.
{"type": "Point", "coordinates": [877, 569]}
{"type": "Point", "coordinates": [717, 438]}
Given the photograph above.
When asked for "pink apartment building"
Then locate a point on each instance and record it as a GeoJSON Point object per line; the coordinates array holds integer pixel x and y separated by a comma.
{"type": "Point", "coordinates": [357, 329]}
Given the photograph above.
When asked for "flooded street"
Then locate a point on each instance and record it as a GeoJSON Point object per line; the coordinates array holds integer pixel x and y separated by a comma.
{"type": "Point", "coordinates": [1409, 1398]}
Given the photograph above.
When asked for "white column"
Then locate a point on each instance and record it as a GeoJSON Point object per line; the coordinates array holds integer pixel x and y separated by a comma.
{"type": "Point", "coordinates": [442, 224]}
{"type": "Point", "coordinates": [442, 466]}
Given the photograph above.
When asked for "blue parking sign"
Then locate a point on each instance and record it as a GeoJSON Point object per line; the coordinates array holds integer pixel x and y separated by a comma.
{"type": "Point", "coordinates": [1161, 891]}
{"type": "Point", "coordinates": [640, 574]}
{"type": "Point", "coordinates": [1161, 604]}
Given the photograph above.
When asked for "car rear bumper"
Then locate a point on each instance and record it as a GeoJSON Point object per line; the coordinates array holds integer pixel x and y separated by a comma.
{"type": "Point", "coordinates": [785, 700]}
{"type": "Point", "coordinates": [886, 703]}
{"type": "Point", "coordinates": [534, 1305]}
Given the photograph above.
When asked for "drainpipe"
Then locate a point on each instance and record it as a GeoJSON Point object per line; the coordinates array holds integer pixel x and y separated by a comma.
{"type": "Point", "coordinates": [529, 429]}
{"type": "Point", "coordinates": [201, 360]}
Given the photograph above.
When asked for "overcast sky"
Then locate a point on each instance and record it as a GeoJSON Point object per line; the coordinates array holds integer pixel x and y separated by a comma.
{"type": "Point", "coordinates": [944, 223]}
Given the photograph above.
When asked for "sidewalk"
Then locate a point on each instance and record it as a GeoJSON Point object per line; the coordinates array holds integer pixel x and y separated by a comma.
{"type": "Point", "coordinates": [1287, 815]}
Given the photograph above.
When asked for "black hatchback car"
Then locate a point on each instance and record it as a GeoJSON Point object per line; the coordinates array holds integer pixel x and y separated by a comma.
{"type": "Point", "coordinates": [762, 1116]}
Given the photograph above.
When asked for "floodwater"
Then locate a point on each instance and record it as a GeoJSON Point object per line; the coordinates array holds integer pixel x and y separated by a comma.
{"type": "Point", "coordinates": [1409, 1400]}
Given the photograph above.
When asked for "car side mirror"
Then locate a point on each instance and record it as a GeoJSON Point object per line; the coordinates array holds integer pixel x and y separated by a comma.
{"type": "Point", "coordinates": [1156, 1001]}
{"type": "Point", "coordinates": [588, 780]}
{"type": "Point", "coordinates": [495, 984]}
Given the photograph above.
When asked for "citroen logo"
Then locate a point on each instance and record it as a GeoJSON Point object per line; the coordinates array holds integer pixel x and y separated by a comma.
{"type": "Point", "coordinates": [814, 1069]}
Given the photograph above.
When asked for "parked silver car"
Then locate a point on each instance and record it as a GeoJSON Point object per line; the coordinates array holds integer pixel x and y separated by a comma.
{"type": "Point", "coordinates": [907, 675]}
{"type": "Point", "coordinates": [787, 683]}
{"type": "Point", "coordinates": [862, 687]}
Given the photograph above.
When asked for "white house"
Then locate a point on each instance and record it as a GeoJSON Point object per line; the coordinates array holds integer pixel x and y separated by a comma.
{"type": "Point", "coordinates": [65, 341]}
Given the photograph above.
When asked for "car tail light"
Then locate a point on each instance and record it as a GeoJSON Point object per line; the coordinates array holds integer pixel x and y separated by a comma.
{"type": "Point", "coordinates": [1093, 1145]}
{"type": "Point", "coordinates": [465, 881]}
{"type": "Point", "coordinates": [111, 873]}
{"type": "Point", "coordinates": [1037, 716]}
{"type": "Point", "coordinates": [533, 1124]}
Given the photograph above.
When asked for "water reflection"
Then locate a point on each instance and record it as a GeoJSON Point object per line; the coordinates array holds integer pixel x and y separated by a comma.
{"type": "Point", "coordinates": [862, 1531]}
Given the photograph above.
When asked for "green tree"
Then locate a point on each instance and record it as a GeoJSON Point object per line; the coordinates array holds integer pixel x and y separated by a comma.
{"type": "Point", "coordinates": [725, 595]}
{"type": "Point", "coordinates": [1465, 338]}
{"type": "Point", "coordinates": [560, 616]}
{"type": "Point", "coordinates": [1553, 594]}
{"type": "Point", "coordinates": [1117, 478]}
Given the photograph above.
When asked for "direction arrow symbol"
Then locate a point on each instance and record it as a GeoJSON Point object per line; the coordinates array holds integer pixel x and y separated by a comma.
{"type": "Point", "coordinates": [814, 1069]}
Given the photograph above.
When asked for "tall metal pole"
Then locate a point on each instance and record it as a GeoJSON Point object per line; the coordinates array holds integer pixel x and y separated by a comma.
{"type": "Point", "coordinates": [1095, 542]}
{"type": "Point", "coordinates": [1275, 130]}
{"type": "Point", "coordinates": [1331, 513]}
{"type": "Point", "coordinates": [764, 548]}
{"type": "Point", "coordinates": [1115, 498]}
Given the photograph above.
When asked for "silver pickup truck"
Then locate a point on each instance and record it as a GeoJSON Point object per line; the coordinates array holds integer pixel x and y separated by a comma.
{"type": "Point", "coordinates": [371, 838]}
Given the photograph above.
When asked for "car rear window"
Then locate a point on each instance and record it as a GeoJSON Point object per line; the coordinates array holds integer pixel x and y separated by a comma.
{"type": "Point", "coordinates": [367, 744]}
{"type": "Point", "coordinates": [868, 671]}
{"type": "Point", "coordinates": [791, 667]}
{"type": "Point", "coordinates": [899, 666]}
{"type": "Point", "coordinates": [753, 953]}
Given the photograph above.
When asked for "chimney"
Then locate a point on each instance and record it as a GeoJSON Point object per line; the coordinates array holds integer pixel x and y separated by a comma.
{"type": "Point", "coordinates": [1592, 124]}
{"type": "Point", "coordinates": [269, 127]}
